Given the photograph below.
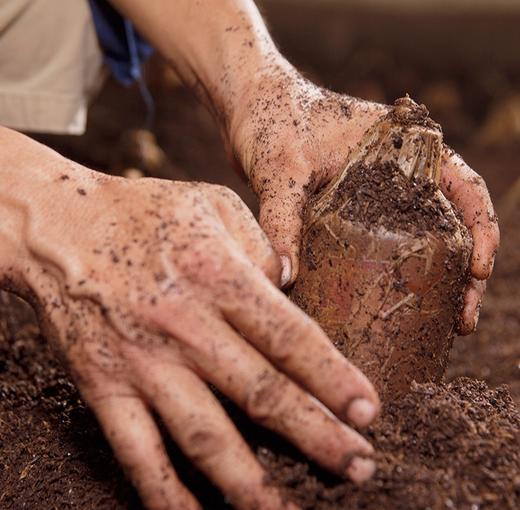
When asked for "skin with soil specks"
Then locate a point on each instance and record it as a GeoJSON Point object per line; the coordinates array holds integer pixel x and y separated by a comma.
{"type": "Point", "coordinates": [189, 268]}
{"type": "Point", "coordinates": [286, 134]}
{"type": "Point", "coordinates": [327, 127]}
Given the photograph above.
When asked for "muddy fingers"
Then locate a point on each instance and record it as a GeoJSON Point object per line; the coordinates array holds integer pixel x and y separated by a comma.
{"type": "Point", "coordinates": [135, 439]}
{"type": "Point", "coordinates": [204, 432]}
{"type": "Point", "coordinates": [273, 400]}
{"type": "Point", "coordinates": [298, 347]}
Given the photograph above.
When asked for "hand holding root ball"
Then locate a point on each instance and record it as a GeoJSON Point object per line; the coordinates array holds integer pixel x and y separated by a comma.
{"type": "Point", "coordinates": [153, 289]}
{"type": "Point", "coordinates": [292, 137]}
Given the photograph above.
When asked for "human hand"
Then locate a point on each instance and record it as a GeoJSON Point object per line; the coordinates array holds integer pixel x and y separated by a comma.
{"type": "Point", "coordinates": [153, 289]}
{"type": "Point", "coordinates": [291, 137]}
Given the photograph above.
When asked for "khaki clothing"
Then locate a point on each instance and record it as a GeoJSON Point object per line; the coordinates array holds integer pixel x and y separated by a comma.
{"type": "Point", "coordinates": [50, 65]}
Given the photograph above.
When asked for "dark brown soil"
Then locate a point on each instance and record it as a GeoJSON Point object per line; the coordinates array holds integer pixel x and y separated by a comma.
{"type": "Point", "coordinates": [442, 446]}
{"type": "Point", "coordinates": [53, 454]}
{"type": "Point", "coordinates": [453, 446]}
{"type": "Point", "coordinates": [381, 195]}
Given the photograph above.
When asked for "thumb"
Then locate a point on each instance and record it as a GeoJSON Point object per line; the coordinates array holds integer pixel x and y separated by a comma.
{"type": "Point", "coordinates": [281, 218]}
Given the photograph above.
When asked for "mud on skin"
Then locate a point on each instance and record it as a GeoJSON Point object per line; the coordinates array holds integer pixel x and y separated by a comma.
{"type": "Point", "coordinates": [134, 319]}
{"type": "Point", "coordinates": [292, 137]}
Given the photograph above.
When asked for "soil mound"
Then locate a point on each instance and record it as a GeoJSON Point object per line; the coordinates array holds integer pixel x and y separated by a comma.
{"type": "Point", "coordinates": [453, 445]}
{"type": "Point", "coordinates": [448, 446]}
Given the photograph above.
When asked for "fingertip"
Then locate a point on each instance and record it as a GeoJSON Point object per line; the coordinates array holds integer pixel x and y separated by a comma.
{"type": "Point", "coordinates": [467, 324]}
{"type": "Point", "coordinates": [289, 272]}
{"type": "Point", "coordinates": [362, 412]}
{"type": "Point", "coordinates": [281, 220]}
{"type": "Point", "coordinates": [472, 304]}
{"type": "Point", "coordinates": [483, 256]}
{"type": "Point", "coordinates": [357, 402]}
{"type": "Point", "coordinates": [361, 469]}
{"type": "Point", "coordinates": [481, 271]}
{"type": "Point", "coordinates": [476, 317]}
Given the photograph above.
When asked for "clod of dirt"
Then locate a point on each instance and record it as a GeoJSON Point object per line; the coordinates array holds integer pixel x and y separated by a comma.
{"type": "Point", "coordinates": [385, 256]}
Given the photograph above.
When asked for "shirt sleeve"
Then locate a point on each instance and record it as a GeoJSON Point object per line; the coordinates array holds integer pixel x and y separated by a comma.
{"type": "Point", "coordinates": [124, 49]}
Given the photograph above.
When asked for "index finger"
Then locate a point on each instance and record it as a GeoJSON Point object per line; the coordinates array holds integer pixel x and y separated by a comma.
{"type": "Point", "coordinates": [468, 191]}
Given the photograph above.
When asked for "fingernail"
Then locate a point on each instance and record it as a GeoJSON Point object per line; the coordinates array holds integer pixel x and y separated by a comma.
{"type": "Point", "coordinates": [360, 469]}
{"type": "Point", "coordinates": [286, 271]}
{"type": "Point", "coordinates": [491, 266]}
{"type": "Point", "coordinates": [477, 317]}
{"type": "Point", "coordinates": [361, 412]}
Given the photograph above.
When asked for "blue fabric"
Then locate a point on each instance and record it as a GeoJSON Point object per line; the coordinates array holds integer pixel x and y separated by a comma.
{"type": "Point", "coordinates": [125, 50]}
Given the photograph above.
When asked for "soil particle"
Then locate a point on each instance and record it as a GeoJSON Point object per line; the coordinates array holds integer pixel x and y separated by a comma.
{"type": "Point", "coordinates": [418, 116]}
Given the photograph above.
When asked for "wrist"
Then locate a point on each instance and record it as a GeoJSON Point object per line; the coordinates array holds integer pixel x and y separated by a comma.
{"type": "Point", "coordinates": [40, 193]}
{"type": "Point", "coordinates": [270, 103]}
{"type": "Point", "coordinates": [254, 90]}
{"type": "Point", "coordinates": [226, 78]}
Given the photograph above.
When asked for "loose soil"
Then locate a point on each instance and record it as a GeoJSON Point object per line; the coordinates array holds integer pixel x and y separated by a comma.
{"type": "Point", "coordinates": [381, 195]}
{"type": "Point", "coordinates": [448, 446]}
{"type": "Point", "coordinates": [442, 446]}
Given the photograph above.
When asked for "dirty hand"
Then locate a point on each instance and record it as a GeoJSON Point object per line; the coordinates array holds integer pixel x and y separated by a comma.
{"type": "Point", "coordinates": [291, 137]}
{"type": "Point", "coordinates": [152, 290]}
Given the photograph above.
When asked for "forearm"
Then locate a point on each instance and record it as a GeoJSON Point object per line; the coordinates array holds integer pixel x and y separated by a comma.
{"type": "Point", "coordinates": [218, 47]}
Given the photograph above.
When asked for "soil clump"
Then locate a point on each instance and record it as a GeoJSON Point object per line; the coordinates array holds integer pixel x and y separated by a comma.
{"type": "Point", "coordinates": [385, 255]}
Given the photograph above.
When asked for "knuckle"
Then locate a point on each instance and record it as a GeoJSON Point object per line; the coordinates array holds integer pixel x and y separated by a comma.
{"type": "Point", "coordinates": [478, 181]}
{"type": "Point", "coordinates": [495, 234]}
{"type": "Point", "coordinates": [284, 340]}
{"type": "Point", "coordinates": [91, 358]}
{"type": "Point", "coordinates": [205, 262]}
{"type": "Point", "coordinates": [267, 399]}
{"type": "Point", "coordinates": [134, 454]}
{"type": "Point", "coordinates": [218, 189]}
{"type": "Point", "coordinates": [204, 442]}
{"type": "Point", "coordinates": [229, 197]}
{"type": "Point", "coordinates": [478, 186]}
{"type": "Point", "coordinates": [272, 266]}
{"type": "Point", "coordinates": [228, 193]}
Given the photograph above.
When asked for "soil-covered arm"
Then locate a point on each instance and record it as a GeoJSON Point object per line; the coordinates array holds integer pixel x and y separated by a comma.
{"type": "Point", "coordinates": [288, 135]}
{"type": "Point", "coordinates": [217, 47]}
{"type": "Point", "coordinates": [143, 287]}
